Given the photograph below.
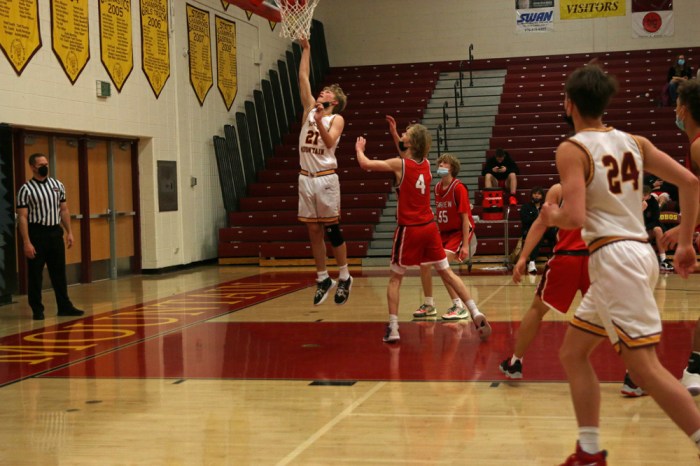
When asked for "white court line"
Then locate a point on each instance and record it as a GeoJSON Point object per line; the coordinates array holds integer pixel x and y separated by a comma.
{"type": "Point", "coordinates": [323, 430]}
{"type": "Point", "coordinates": [498, 290]}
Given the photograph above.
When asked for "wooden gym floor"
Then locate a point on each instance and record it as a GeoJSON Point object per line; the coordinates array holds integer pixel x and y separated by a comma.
{"type": "Point", "coordinates": [234, 365]}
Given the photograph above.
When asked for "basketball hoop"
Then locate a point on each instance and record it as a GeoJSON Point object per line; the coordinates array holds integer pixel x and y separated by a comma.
{"type": "Point", "coordinates": [296, 17]}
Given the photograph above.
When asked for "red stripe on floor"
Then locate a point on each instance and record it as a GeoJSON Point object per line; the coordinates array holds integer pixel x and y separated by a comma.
{"type": "Point", "coordinates": [30, 353]}
{"type": "Point", "coordinates": [428, 351]}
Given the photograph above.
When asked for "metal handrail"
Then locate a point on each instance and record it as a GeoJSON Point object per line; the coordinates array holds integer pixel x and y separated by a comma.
{"type": "Point", "coordinates": [439, 128]}
{"type": "Point", "coordinates": [456, 107]}
{"type": "Point", "coordinates": [461, 93]}
{"type": "Point", "coordinates": [471, 60]}
{"type": "Point", "coordinates": [445, 117]}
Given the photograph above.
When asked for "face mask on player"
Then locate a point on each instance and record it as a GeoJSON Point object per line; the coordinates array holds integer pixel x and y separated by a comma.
{"type": "Point", "coordinates": [443, 172]}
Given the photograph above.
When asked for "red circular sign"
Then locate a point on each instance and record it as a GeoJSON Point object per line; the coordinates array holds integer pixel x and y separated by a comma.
{"type": "Point", "coordinates": [652, 22]}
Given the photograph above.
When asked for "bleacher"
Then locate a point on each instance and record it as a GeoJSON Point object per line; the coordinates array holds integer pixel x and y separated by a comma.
{"type": "Point", "coordinates": [529, 125]}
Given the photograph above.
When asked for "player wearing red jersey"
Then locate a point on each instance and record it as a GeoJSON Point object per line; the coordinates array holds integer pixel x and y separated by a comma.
{"type": "Point", "coordinates": [417, 238]}
{"type": "Point", "coordinates": [565, 273]}
{"type": "Point", "coordinates": [456, 224]}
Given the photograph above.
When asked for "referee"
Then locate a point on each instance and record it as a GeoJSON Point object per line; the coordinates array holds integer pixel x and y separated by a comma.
{"type": "Point", "coordinates": [41, 209]}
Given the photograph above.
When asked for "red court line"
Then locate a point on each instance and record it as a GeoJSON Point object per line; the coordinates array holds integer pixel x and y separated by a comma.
{"type": "Point", "coordinates": [34, 352]}
{"type": "Point", "coordinates": [428, 351]}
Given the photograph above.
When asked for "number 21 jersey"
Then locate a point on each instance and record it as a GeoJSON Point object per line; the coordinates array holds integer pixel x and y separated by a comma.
{"type": "Point", "coordinates": [314, 156]}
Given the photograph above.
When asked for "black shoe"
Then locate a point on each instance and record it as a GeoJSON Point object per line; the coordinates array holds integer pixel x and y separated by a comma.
{"type": "Point", "coordinates": [514, 371]}
{"type": "Point", "coordinates": [322, 289]}
{"type": "Point", "coordinates": [38, 316]}
{"type": "Point", "coordinates": [70, 313]}
{"type": "Point", "coordinates": [343, 292]}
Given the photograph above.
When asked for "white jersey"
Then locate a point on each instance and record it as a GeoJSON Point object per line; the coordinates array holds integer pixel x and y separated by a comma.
{"type": "Point", "coordinates": [613, 187]}
{"type": "Point", "coordinates": [314, 156]}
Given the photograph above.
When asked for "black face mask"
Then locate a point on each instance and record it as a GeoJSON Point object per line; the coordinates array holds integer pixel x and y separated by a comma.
{"type": "Point", "coordinates": [402, 147]}
{"type": "Point", "coordinates": [569, 120]}
{"type": "Point", "coordinates": [43, 170]}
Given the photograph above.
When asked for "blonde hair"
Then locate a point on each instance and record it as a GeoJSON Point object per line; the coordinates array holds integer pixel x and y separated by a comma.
{"type": "Point", "coordinates": [420, 140]}
{"type": "Point", "coordinates": [340, 97]}
{"type": "Point", "coordinates": [452, 161]}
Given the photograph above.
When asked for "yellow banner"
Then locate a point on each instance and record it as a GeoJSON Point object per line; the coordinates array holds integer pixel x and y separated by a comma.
{"type": "Point", "coordinates": [225, 4]}
{"type": "Point", "coordinates": [201, 76]}
{"type": "Point", "coordinates": [155, 43]}
{"type": "Point", "coordinates": [116, 43]}
{"type": "Point", "coordinates": [20, 37]}
{"type": "Point", "coordinates": [585, 9]}
{"type": "Point", "coordinates": [70, 35]}
{"type": "Point", "coordinates": [226, 60]}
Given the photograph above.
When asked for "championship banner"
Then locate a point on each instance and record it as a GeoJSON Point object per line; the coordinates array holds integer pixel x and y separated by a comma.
{"type": "Point", "coordinates": [534, 15]}
{"type": "Point", "coordinates": [249, 14]}
{"type": "Point", "coordinates": [225, 4]}
{"type": "Point", "coordinates": [116, 43]}
{"type": "Point", "coordinates": [201, 76]}
{"type": "Point", "coordinates": [652, 18]}
{"type": "Point", "coordinates": [70, 35]}
{"type": "Point", "coordinates": [155, 43]}
{"type": "Point", "coordinates": [20, 37]}
{"type": "Point", "coordinates": [273, 24]}
{"type": "Point", "coordinates": [226, 60]}
{"type": "Point", "coordinates": [587, 9]}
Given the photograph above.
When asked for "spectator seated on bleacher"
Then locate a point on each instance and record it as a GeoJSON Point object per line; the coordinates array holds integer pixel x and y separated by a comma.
{"type": "Point", "coordinates": [666, 194]}
{"type": "Point", "coordinates": [528, 215]}
{"type": "Point", "coordinates": [501, 171]}
{"type": "Point", "coordinates": [677, 73]}
{"type": "Point", "coordinates": [652, 223]}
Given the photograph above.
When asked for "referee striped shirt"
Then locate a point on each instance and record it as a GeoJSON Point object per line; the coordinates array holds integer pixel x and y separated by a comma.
{"type": "Point", "coordinates": [43, 200]}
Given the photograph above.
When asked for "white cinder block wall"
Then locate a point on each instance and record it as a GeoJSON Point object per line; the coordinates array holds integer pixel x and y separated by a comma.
{"type": "Point", "coordinates": [367, 32]}
{"type": "Point", "coordinates": [176, 127]}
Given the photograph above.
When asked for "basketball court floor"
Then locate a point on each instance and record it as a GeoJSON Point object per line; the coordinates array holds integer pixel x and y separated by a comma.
{"type": "Point", "coordinates": [233, 365]}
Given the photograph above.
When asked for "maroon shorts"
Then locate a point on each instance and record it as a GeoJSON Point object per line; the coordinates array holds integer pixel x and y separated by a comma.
{"type": "Point", "coordinates": [563, 276]}
{"type": "Point", "coordinates": [416, 245]}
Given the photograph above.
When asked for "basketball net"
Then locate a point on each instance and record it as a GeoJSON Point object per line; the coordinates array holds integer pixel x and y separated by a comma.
{"type": "Point", "coordinates": [296, 18]}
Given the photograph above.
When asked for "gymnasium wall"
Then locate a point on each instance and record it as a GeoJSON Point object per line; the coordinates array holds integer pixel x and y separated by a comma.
{"type": "Point", "coordinates": [172, 127]}
{"type": "Point", "coordinates": [365, 32]}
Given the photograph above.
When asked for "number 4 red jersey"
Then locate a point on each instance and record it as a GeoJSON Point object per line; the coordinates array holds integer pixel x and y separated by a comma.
{"type": "Point", "coordinates": [413, 192]}
{"type": "Point", "coordinates": [450, 203]}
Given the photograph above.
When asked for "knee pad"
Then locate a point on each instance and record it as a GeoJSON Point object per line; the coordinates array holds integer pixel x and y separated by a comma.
{"type": "Point", "coordinates": [334, 235]}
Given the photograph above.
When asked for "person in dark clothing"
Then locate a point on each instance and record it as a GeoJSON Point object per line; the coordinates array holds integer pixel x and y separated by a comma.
{"type": "Point", "coordinates": [652, 223]}
{"type": "Point", "coordinates": [678, 72]}
{"type": "Point", "coordinates": [501, 171]}
{"type": "Point", "coordinates": [41, 210]}
{"type": "Point", "coordinates": [528, 215]}
{"type": "Point", "coordinates": [665, 193]}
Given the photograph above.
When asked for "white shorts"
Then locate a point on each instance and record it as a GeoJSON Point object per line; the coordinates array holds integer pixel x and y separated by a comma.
{"type": "Point", "coordinates": [620, 302]}
{"type": "Point", "coordinates": [319, 199]}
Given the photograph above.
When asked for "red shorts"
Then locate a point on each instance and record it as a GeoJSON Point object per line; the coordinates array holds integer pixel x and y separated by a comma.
{"type": "Point", "coordinates": [563, 275]}
{"type": "Point", "coordinates": [452, 242]}
{"type": "Point", "coordinates": [416, 245]}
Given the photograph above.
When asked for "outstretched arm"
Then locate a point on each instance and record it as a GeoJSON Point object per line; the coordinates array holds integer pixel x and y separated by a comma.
{"type": "Point", "coordinates": [307, 98]}
{"type": "Point", "coordinates": [392, 165]}
{"type": "Point", "coordinates": [394, 133]}
{"type": "Point", "coordinates": [534, 234]}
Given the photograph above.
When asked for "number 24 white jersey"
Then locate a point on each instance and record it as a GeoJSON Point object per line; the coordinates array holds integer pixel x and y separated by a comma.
{"type": "Point", "coordinates": [614, 184]}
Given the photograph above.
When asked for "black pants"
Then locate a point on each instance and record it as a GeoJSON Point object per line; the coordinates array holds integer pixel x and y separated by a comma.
{"type": "Point", "coordinates": [549, 238]}
{"type": "Point", "coordinates": [50, 251]}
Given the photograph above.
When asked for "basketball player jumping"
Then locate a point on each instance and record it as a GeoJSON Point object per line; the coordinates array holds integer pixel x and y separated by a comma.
{"type": "Point", "coordinates": [319, 188]}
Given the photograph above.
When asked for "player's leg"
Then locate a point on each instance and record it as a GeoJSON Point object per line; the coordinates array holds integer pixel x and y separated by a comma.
{"type": "Point", "coordinates": [691, 374]}
{"type": "Point", "coordinates": [479, 319]}
{"type": "Point", "coordinates": [645, 368]}
{"type": "Point", "coordinates": [427, 309]}
{"type": "Point", "coordinates": [324, 283]}
{"type": "Point", "coordinates": [392, 296]}
{"type": "Point", "coordinates": [512, 186]}
{"type": "Point", "coordinates": [584, 387]}
{"type": "Point", "coordinates": [512, 367]}
{"type": "Point", "coordinates": [490, 181]}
